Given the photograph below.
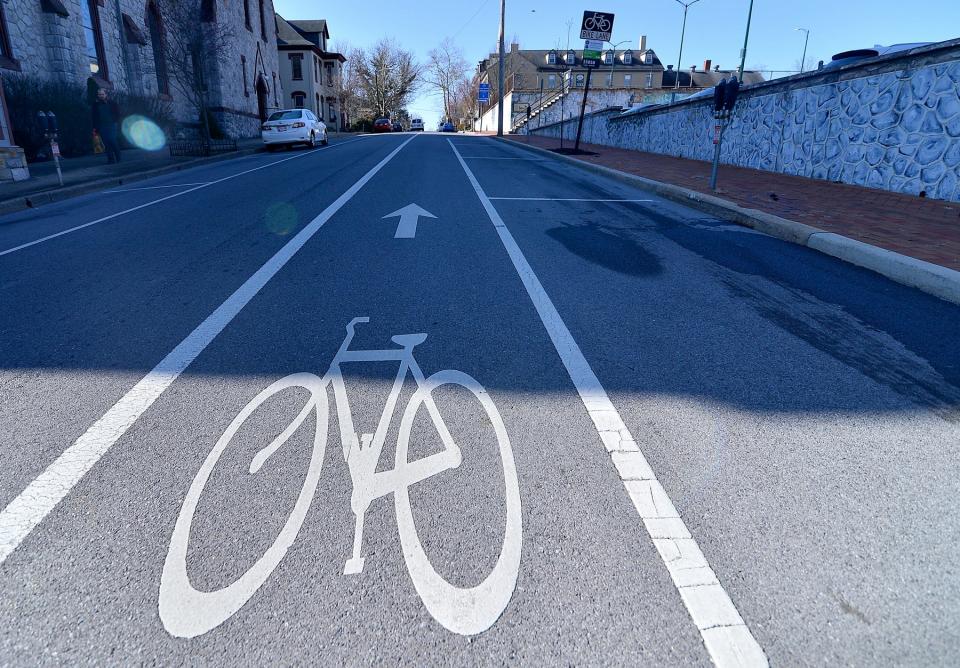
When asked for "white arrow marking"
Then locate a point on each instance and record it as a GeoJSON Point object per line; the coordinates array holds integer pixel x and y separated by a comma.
{"type": "Point", "coordinates": [409, 215]}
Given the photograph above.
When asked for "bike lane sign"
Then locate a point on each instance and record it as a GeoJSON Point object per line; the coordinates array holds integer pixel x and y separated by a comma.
{"type": "Point", "coordinates": [597, 26]}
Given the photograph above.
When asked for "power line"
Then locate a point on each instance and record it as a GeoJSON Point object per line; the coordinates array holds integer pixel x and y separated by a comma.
{"type": "Point", "coordinates": [470, 20]}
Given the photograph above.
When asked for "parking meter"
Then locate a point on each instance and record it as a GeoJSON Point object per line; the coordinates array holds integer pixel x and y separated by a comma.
{"type": "Point", "coordinates": [52, 122]}
{"type": "Point", "coordinates": [44, 124]}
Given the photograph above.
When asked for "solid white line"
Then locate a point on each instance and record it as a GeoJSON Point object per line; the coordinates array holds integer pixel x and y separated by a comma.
{"type": "Point", "coordinates": [724, 633]}
{"type": "Point", "coordinates": [164, 199]}
{"type": "Point", "coordinates": [42, 495]}
{"type": "Point", "coordinates": [565, 199]}
{"type": "Point", "coordinates": [483, 157]}
{"type": "Point", "coordinates": [178, 185]}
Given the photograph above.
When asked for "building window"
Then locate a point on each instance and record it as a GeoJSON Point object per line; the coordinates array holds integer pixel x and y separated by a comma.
{"type": "Point", "coordinates": [319, 106]}
{"type": "Point", "coordinates": [608, 58]}
{"type": "Point", "coordinates": [246, 15]}
{"type": "Point", "coordinates": [155, 25]}
{"type": "Point", "coordinates": [90, 19]}
{"type": "Point", "coordinates": [648, 58]}
{"type": "Point", "coordinates": [649, 83]}
{"type": "Point", "coordinates": [296, 61]}
{"type": "Point", "coordinates": [6, 50]}
{"type": "Point", "coordinates": [263, 22]}
{"type": "Point", "coordinates": [276, 100]}
{"type": "Point", "coordinates": [316, 69]}
{"type": "Point", "coordinates": [571, 57]}
{"type": "Point", "coordinates": [552, 81]}
{"type": "Point", "coordinates": [329, 68]}
{"type": "Point", "coordinates": [299, 99]}
{"type": "Point", "coordinates": [627, 80]}
{"type": "Point", "coordinates": [552, 58]}
{"type": "Point", "coordinates": [243, 66]}
{"type": "Point", "coordinates": [628, 57]}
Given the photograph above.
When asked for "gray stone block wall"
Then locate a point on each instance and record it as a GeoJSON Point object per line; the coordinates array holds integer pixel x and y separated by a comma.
{"type": "Point", "coordinates": [892, 126]}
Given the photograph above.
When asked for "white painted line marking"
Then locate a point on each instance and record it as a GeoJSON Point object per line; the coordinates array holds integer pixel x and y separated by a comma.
{"type": "Point", "coordinates": [42, 495]}
{"type": "Point", "coordinates": [708, 604]}
{"type": "Point", "coordinates": [409, 215]}
{"type": "Point", "coordinates": [484, 157]}
{"type": "Point", "coordinates": [178, 185]}
{"type": "Point", "coordinates": [563, 199]}
{"type": "Point", "coordinates": [164, 199]}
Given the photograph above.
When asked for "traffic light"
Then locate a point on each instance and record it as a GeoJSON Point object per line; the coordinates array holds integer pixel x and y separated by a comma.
{"type": "Point", "coordinates": [731, 91]}
{"type": "Point", "coordinates": [719, 95]}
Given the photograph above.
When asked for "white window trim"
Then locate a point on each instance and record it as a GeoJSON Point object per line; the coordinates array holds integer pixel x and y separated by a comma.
{"type": "Point", "coordinates": [628, 57]}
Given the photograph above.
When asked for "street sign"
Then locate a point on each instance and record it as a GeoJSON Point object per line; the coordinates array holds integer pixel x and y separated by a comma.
{"type": "Point", "coordinates": [484, 94]}
{"type": "Point", "coordinates": [597, 25]}
{"type": "Point", "coordinates": [592, 51]}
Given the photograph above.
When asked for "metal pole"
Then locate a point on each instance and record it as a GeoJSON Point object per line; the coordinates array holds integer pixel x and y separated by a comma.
{"type": "Point", "coordinates": [746, 38]}
{"type": "Point", "coordinates": [583, 110]}
{"type": "Point", "coordinates": [721, 126]}
{"type": "Point", "coordinates": [806, 40]}
{"type": "Point", "coordinates": [503, 14]}
{"type": "Point", "coordinates": [683, 32]}
{"type": "Point", "coordinates": [540, 105]}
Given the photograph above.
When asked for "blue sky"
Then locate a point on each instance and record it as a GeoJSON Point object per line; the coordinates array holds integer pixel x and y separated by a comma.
{"type": "Point", "coordinates": [715, 28]}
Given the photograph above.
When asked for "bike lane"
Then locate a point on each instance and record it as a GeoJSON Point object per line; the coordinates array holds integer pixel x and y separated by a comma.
{"type": "Point", "coordinates": [83, 317]}
{"type": "Point", "coordinates": [590, 588]}
{"type": "Point", "coordinates": [795, 408]}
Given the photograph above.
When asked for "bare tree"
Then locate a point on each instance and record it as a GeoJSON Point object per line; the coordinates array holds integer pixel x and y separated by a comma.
{"type": "Point", "coordinates": [446, 69]}
{"type": "Point", "coordinates": [386, 77]}
{"type": "Point", "coordinates": [195, 44]}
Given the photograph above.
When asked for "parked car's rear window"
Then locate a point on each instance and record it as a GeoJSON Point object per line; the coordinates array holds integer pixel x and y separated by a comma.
{"type": "Point", "coordinates": [285, 115]}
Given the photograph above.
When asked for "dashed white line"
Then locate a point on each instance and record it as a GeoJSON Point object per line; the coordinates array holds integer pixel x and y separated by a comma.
{"type": "Point", "coordinates": [725, 635]}
{"type": "Point", "coordinates": [42, 495]}
{"type": "Point", "coordinates": [164, 199]}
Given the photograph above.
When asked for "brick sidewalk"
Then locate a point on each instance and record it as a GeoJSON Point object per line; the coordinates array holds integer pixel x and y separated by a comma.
{"type": "Point", "coordinates": [922, 228]}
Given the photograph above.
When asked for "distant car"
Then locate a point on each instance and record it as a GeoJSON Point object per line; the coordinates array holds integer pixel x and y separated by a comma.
{"type": "Point", "coordinates": [382, 125]}
{"type": "Point", "coordinates": [397, 127]}
{"type": "Point", "coordinates": [416, 125]}
{"type": "Point", "coordinates": [448, 127]}
{"type": "Point", "coordinates": [293, 126]}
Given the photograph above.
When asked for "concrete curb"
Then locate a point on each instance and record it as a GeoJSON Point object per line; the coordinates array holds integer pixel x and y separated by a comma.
{"type": "Point", "coordinates": [67, 192]}
{"type": "Point", "coordinates": [925, 276]}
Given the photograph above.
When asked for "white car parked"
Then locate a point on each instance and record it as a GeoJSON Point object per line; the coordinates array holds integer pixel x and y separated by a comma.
{"type": "Point", "coordinates": [416, 125]}
{"type": "Point", "coordinates": [293, 126]}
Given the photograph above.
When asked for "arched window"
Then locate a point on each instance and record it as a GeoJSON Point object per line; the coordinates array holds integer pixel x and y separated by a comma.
{"type": "Point", "coordinates": [208, 11]}
{"type": "Point", "coordinates": [6, 50]}
{"type": "Point", "coordinates": [155, 26]}
{"type": "Point", "coordinates": [246, 15]}
{"type": "Point", "coordinates": [263, 21]}
{"type": "Point", "coordinates": [93, 38]}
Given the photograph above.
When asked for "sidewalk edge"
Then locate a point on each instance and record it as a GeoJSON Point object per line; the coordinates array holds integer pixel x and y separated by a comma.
{"type": "Point", "coordinates": [19, 203]}
{"type": "Point", "coordinates": [925, 276]}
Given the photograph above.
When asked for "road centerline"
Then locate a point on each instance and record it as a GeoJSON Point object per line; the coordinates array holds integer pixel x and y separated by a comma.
{"type": "Point", "coordinates": [165, 198]}
{"type": "Point", "coordinates": [46, 491]}
{"type": "Point", "coordinates": [726, 636]}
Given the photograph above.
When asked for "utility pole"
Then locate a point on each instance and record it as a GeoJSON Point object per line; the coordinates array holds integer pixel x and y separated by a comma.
{"type": "Point", "coordinates": [503, 14]}
{"type": "Point", "coordinates": [806, 40]}
{"type": "Point", "coordinates": [746, 38]}
{"type": "Point", "coordinates": [683, 32]}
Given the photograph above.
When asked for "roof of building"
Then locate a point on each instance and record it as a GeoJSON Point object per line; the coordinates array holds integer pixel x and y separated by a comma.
{"type": "Point", "coordinates": [538, 57]}
{"type": "Point", "coordinates": [706, 79]}
{"type": "Point", "coordinates": [293, 35]}
{"type": "Point", "coordinates": [288, 35]}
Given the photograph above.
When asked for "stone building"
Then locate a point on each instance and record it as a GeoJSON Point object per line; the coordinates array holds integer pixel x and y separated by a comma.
{"type": "Point", "coordinates": [125, 45]}
{"type": "Point", "coordinates": [309, 72]}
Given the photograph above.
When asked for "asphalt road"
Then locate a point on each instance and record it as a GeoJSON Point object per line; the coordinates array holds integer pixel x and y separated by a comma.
{"type": "Point", "coordinates": [631, 434]}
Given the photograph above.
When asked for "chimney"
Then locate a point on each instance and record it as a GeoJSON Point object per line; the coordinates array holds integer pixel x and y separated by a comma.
{"type": "Point", "coordinates": [716, 68]}
{"type": "Point", "coordinates": [643, 43]}
{"type": "Point", "coordinates": [693, 68]}
{"type": "Point", "coordinates": [670, 67]}
{"type": "Point", "coordinates": [706, 65]}
{"type": "Point", "coordinates": [514, 47]}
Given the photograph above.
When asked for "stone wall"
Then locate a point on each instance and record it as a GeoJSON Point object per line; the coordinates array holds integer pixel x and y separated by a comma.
{"type": "Point", "coordinates": [891, 123]}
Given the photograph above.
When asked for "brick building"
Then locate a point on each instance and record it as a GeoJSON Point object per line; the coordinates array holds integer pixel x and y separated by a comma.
{"type": "Point", "coordinates": [124, 45]}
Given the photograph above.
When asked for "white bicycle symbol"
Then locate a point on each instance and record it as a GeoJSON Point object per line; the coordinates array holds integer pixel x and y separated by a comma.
{"type": "Point", "coordinates": [597, 23]}
{"type": "Point", "coordinates": [187, 612]}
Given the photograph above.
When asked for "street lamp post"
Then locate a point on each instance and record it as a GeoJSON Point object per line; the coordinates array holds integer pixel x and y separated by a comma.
{"type": "Point", "coordinates": [746, 38]}
{"type": "Point", "coordinates": [613, 67]}
{"type": "Point", "coordinates": [803, 61]}
{"type": "Point", "coordinates": [503, 11]}
{"type": "Point", "coordinates": [683, 32]}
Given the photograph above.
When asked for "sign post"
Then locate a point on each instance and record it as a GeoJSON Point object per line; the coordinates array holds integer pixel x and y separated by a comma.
{"type": "Point", "coordinates": [596, 28]}
{"type": "Point", "coordinates": [724, 97]}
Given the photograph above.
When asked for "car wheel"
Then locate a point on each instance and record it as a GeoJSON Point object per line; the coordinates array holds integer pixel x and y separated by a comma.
{"type": "Point", "coordinates": [325, 141]}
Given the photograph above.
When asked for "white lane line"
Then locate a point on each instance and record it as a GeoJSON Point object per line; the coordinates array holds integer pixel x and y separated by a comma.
{"type": "Point", "coordinates": [563, 199]}
{"type": "Point", "coordinates": [42, 495]}
{"type": "Point", "coordinates": [484, 157]}
{"type": "Point", "coordinates": [725, 635]}
{"type": "Point", "coordinates": [178, 185]}
{"type": "Point", "coordinates": [168, 197]}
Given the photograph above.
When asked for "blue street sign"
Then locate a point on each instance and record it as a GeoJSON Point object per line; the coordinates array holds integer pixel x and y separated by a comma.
{"type": "Point", "coordinates": [484, 95]}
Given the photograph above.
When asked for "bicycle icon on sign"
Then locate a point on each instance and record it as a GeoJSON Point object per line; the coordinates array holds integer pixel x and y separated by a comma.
{"type": "Point", "coordinates": [597, 23]}
{"type": "Point", "coordinates": [187, 612]}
